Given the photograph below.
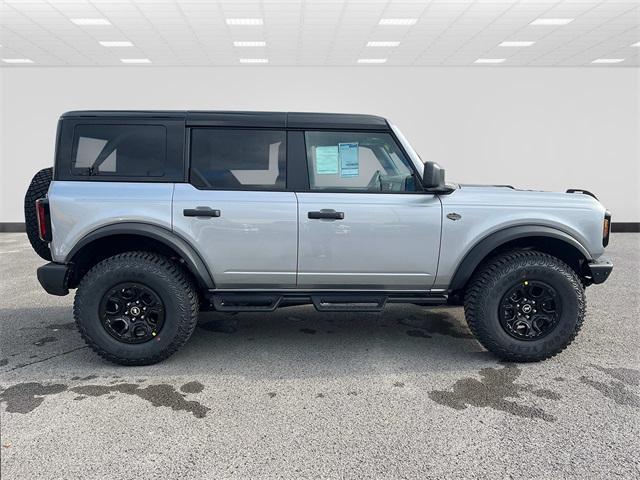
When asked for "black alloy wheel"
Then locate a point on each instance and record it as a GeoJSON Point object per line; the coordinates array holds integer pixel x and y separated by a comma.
{"type": "Point", "coordinates": [530, 310]}
{"type": "Point", "coordinates": [132, 312]}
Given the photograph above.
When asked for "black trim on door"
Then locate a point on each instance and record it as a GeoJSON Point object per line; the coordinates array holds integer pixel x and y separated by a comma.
{"type": "Point", "coordinates": [297, 169]}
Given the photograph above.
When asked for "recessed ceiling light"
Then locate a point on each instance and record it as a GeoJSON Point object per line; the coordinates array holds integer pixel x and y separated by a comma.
{"type": "Point", "coordinates": [372, 60]}
{"type": "Point", "coordinates": [254, 60]}
{"type": "Point", "coordinates": [552, 21]}
{"type": "Point", "coordinates": [244, 21]}
{"type": "Point", "coordinates": [250, 44]}
{"type": "Point", "coordinates": [116, 44]}
{"type": "Point", "coordinates": [135, 60]}
{"type": "Point", "coordinates": [516, 44]}
{"type": "Point", "coordinates": [91, 21]}
{"type": "Point", "coordinates": [490, 60]}
{"type": "Point", "coordinates": [397, 21]}
{"type": "Point", "coordinates": [637, 44]}
{"type": "Point", "coordinates": [383, 44]}
{"type": "Point", "coordinates": [17, 60]}
{"type": "Point", "coordinates": [608, 60]}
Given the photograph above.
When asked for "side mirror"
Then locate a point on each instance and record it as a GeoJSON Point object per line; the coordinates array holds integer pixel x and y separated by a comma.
{"type": "Point", "coordinates": [433, 176]}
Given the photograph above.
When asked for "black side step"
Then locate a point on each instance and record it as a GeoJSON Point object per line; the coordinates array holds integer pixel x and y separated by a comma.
{"type": "Point", "coordinates": [348, 302]}
{"type": "Point", "coordinates": [242, 302]}
{"type": "Point", "coordinates": [323, 301]}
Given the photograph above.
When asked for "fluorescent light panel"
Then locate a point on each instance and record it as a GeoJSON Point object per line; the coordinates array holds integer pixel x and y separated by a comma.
{"type": "Point", "coordinates": [397, 21]}
{"type": "Point", "coordinates": [383, 44]}
{"type": "Point", "coordinates": [17, 60]}
{"type": "Point", "coordinates": [372, 60]}
{"type": "Point", "coordinates": [552, 21]}
{"type": "Point", "coordinates": [135, 60]}
{"type": "Point", "coordinates": [516, 44]}
{"type": "Point", "coordinates": [250, 44]}
{"type": "Point", "coordinates": [490, 60]}
{"type": "Point", "coordinates": [109, 43]}
{"type": "Point", "coordinates": [244, 21]}
{"type": "Point", "coordinates": [254, 60]}
{"type": "Point", "coordinates": [608, 60]}
{"type": "Point", "coordinates": [91, 21]}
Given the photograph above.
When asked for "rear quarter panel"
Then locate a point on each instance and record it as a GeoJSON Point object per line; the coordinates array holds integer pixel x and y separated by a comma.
{"type": "Point", "coordinates": [485, 210]}
{"type": "Point", "coordinates": [78, 208]}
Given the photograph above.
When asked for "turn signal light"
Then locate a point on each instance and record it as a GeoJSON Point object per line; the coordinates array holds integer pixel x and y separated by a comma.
{"type": "Point", "coordinates": [44, 225]}
{"type": "Point", "coordinates": [606, 229]}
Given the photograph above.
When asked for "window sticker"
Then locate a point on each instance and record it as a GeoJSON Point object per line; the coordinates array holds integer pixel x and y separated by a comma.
{"type": "Point", "coordinates": [349, 161]}
{"type": "Point", "coordinates": [327, 160]}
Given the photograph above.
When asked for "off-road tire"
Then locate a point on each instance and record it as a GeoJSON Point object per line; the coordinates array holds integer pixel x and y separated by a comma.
{"type": "Point", "coordinates": [494, 278]}
{"type": "Point", "coordinates": [37, 189]}
{"type": "Point", "coordinates": [173, 285]}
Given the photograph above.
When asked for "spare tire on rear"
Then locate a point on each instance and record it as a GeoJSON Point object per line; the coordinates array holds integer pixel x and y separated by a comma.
{"type": "Point", "coordinates": [37, 189]}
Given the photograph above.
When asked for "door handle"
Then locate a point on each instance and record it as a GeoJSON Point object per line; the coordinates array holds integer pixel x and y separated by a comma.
{"type": "Point", "coordinates": [201, 212]}
{"type": "Point", "coordinates": [330, 214]}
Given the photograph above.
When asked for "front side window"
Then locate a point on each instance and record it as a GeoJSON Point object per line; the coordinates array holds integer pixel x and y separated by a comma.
{"type": "Point", "coordinates": [120, 150]}
{"type": "Point", "coordinates": [357, 161]}
{"type": "Point", "coordinates": [228, 159]}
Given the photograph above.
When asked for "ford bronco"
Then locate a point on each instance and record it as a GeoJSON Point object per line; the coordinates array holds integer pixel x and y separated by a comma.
{"type": "Point", "coordinates": [155, 215]}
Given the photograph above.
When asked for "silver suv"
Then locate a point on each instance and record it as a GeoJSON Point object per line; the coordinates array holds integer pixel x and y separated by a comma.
{"type": "Point", "coordinates": [154, 216]}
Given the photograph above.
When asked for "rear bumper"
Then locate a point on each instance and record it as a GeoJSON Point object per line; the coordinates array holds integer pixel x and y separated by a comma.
{"type": "Point", "coordinates": [600, 269]}
{"type": "Point", "coordinates": [53, 278]}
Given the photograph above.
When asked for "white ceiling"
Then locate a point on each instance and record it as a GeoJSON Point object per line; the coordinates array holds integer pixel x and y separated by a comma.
{"type": "Point", "coordinates": [320, 32]}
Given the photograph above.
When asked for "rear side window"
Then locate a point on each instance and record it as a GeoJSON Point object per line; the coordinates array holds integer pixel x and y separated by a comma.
{"type": "Point", "coordinates": [119, 150]}
{"type": "Point", "coordinates": [242, 159]}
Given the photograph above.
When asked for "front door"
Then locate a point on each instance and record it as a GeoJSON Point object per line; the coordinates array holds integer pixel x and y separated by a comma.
{"type": "Point", "coordinates": [236, 211]}
{"type": "Point", "coordinates": [363, 224]}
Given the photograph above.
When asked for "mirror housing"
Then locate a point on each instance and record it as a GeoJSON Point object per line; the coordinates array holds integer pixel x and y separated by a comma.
{"type": "Point", "coordinates": [433, 177]}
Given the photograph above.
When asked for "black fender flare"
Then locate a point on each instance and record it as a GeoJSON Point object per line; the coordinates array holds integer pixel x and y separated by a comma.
{"type": "Point", "coordinates": [192, 259]}
{"type": "Point", "coordinates": [489, 243]}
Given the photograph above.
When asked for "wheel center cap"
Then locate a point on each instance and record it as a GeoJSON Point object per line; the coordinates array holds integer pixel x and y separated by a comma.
{"type": "Point", "coordinates": [526, 308]}
{"type": "Point", "coordinates": [135, 311]}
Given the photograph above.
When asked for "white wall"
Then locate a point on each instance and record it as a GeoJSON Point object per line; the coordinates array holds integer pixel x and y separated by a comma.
{"type": "Point", "coordinates": [540, 128]}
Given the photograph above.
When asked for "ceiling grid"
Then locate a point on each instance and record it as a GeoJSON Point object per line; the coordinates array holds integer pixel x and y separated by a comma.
{"type": "Point", "coordinates": [320, 32]}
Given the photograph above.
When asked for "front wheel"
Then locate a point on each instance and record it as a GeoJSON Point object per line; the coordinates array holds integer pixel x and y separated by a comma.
{"type": "Point", "coordinates": [136, 308]}
{"type": "Point", "coordinates": [525, 306]}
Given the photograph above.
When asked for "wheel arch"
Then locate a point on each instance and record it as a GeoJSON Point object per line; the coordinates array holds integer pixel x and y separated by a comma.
{"type": "Point", "coordinates": [547, 239]}
{"type": "Point", "coordinates": [112, 239]}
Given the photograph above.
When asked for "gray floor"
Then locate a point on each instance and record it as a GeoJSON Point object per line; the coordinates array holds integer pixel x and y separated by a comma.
{"type": "Point", "coordinates": [298, 394]}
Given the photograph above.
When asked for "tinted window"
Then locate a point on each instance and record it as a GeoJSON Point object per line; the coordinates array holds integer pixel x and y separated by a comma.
{"type": "Point", "coordinates": [228, 159]}
{"type": "Point", "coordinates": [120, 150]}
{"type": "Point", "coordinates": [368, 162]}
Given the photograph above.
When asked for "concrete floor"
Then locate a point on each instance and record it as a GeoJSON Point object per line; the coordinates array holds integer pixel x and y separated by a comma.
{"type": "Point", "coordinates": [298, 394]}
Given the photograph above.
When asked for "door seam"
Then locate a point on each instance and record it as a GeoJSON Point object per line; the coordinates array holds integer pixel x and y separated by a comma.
{"type": "Point", "coordinates": [297, 236]}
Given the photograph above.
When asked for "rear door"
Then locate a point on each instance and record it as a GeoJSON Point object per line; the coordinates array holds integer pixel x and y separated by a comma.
{"type": "Point", "coordinates": [236, 210]}
{"type": "Point", "coordinates": [364, 223]}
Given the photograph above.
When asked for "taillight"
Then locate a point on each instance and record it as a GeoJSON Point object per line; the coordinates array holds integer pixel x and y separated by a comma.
{"type": "Point", "coordinates": [44, 225]}
{"type": "Point", "coordinates": [606, 229]}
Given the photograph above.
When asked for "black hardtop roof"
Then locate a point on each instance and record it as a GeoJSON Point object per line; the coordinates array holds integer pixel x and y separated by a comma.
{"type": "Point", "coordinates": [244, 119]}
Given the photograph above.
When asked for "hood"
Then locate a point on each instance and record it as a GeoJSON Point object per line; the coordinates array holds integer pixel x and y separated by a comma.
{"type": "Point", "coordinates": [505, 195]}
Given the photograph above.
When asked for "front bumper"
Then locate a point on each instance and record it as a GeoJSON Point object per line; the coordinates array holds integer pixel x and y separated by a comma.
{"type": "Point", "coordinates": [53, 278]}
{"type": "Point", "coordinates": [600, 269]}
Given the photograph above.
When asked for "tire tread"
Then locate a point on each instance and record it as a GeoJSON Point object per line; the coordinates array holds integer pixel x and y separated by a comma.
{"type": "Point", "coordinates": [38, 188]}
{"type": "Point", "coordinates": [179, 279]}
{"type": "Point", "coordinates": [503, 264]}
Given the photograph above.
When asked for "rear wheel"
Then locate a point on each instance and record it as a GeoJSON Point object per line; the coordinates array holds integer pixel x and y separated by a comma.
{"type": "Point", "coordinates": [38, 188]}
{"type": "Point", "coordinates": [525, 306]}
{"type": "Point", "coordinates": [136, 308]}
